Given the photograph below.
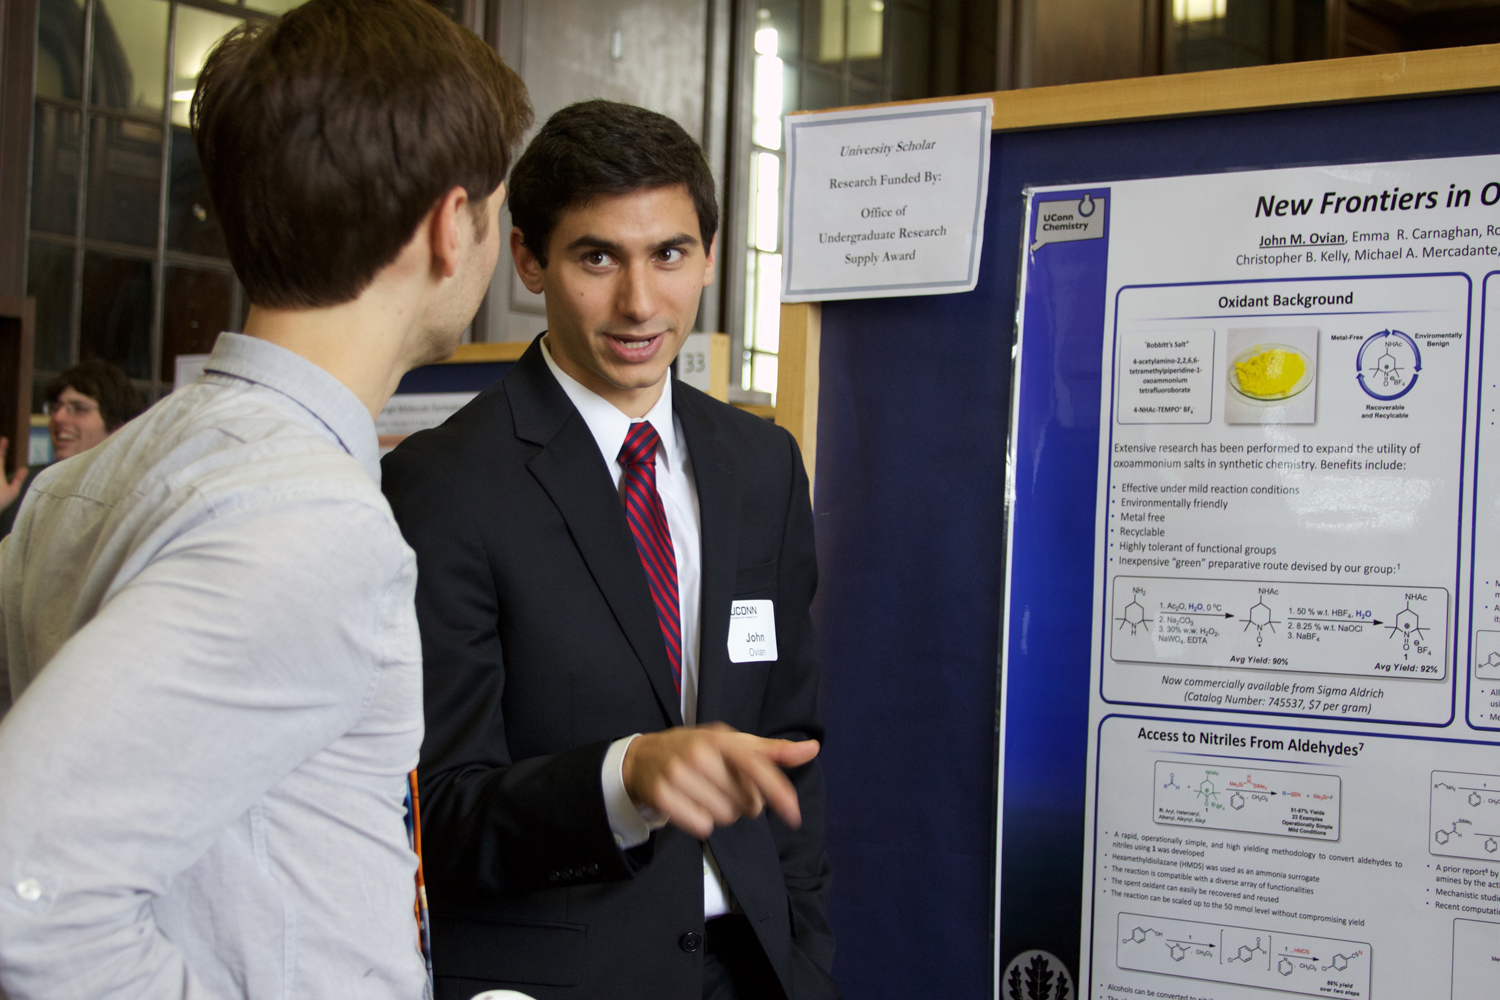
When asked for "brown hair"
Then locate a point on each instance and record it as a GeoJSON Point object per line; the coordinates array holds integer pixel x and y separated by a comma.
{"type": "Point", "coordinates": [106, 385]}
{"type": "Point", "coordinates": [327, 135]}
{"type": "Point", "coordinates": [598, 148]}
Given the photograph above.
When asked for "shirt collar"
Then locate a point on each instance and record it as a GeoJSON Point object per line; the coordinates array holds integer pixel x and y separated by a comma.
{"type": "Point", "coordinates": [317, 391]}
{"type": "Point", "coordinates": [608, 424]}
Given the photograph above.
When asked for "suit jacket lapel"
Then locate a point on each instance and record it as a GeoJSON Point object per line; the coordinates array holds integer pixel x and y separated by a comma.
{"type": "Point", "coordinates": [572, 471]}
{"type": "Point", "coordinates": [719, 519]}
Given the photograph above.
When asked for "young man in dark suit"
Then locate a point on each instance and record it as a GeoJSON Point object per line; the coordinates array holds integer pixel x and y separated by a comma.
{"type": "Point", "coordinates": [619, 791]}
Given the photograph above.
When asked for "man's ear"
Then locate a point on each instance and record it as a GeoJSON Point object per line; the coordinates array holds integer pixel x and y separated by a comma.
{"type": "Point", "coordinates": [446, 228]}
{"type": "Point", "coordinates": [527, 266]}
{"type": "Point", "coordinates": [710, 261]}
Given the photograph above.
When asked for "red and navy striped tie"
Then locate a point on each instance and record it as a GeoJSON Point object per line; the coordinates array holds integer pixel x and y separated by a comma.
{"type": "Point", "coordinates": [648, 522]}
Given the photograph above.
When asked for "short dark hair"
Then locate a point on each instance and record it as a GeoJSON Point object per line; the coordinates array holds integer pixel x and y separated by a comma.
{"type": "Point", "coordinates": [596, 148]}
{"type": "Point", "coordinates": [327, 135]}
{"type": "Point", "coordinates": [118, 399]}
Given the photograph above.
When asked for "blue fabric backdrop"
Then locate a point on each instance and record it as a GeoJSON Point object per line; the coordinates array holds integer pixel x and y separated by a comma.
{"type": "Point", "coordinates": [912, 428]}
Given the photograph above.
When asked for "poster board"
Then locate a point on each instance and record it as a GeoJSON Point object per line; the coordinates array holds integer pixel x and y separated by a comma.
{"type": "Point", "coordinates": [1286, 792]}
{"type": "Point", "coordinates": [429, 395]}
{"type": "Point", "coordinates": [911, 691]}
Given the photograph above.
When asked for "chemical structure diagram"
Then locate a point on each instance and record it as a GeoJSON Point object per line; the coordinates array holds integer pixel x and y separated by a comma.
{"type": "Point", "coordinates": [1443, 836]}
{"type": "Point", "coordinates": [1171, 781]}
{"type": "Point", "coordinates": [1207, 792]}
{"type": "Point", "coordinates": [1465, 815]}
{"type": "Point", "coordinates": [1409, 624]}
{"type": "Point", "coordinates": [1491, 842]}
{"type": "Point", "coordinates": [1247, 953]}
{"type": "Point", "coordinates": [1339, 962]}
{"type": "Point", "coordinates": [1251, 957]}
{"type": "Point", "coordinates": [1134, 615]}
{"type": "Point", "coordinates": [1177, 949]}
{"type": "Point", "coordinates": [1388, 369]}
{"type": "Point", "coordinates": [1492, 661]}
{"type": "Point", "coordinates": [1388, 364]}
{"type": "Point", "coordinates": [1475, 799]}
{"type": "Point", "coordinates": [1259, 617]}
{"type": "Point", "coordinates": [1237, 798]}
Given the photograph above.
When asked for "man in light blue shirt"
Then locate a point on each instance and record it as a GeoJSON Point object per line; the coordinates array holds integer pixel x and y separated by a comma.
{"type": "Point", "coordinates": [206, 622]}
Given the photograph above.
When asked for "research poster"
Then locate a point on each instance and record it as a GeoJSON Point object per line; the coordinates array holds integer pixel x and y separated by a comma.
{"type": "Point", "coordinates": [1294, 709]}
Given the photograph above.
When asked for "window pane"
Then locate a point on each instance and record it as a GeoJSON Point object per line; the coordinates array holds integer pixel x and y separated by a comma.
{"type": "Point", "coordinates": [831, 31]}
{"type": "Point", "coordinates": [764, 377]}
{"type": "Point", "coordinates": [750, 229]}
{"type": "Point", "coordinates": [767, 132]}
{"type": "Point", "coordinates": [197, 31]}
{"type": "Point", "coordinates": [192, 226]}
{"type": "Point", "coordinates": [782, 17]}
{"type": "Point", "coordinates": [49, 280]}
{"type": "Point", "coordinates": [767, 200]}
{"type": "Point", "coordinates": [750, 268]}
{"type": "Point", "coordinates": [116, 316]}
{"type": "Point", "coordinates": [59, 49]}
{"type": "Point", "coordinates": [863, 93]}
{"type": "Point", "coordinates": [821, 90]}
{"type": "Point", "coordinates": [124, 181]}
{"type": "Point", "coordinates": [866, 24]}
{"type": "Point", "coordinates": [196, 310]}
{"type": "Point", "coordinates": [911, 62]}
{"type": "Point", "coordinates": [54, 170]}
{"type": "Point", "coordinates": [130, 55]}
{"type": "Point", "coordinates": [768, 81]}
{"type": "Point", "coordinates": [768, 302]}
{"type": "Point", "coordinates": [790, 98]}
{"type": "Point", "coordinates": [1215, 34]}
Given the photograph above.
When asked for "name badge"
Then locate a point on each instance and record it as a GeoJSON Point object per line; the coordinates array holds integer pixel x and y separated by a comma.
{"type": "Point", "coordinates": [752, 631]}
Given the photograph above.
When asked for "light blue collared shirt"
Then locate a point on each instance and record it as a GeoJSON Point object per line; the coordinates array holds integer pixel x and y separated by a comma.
{"type": "Point", "coordinates": [207, 627]}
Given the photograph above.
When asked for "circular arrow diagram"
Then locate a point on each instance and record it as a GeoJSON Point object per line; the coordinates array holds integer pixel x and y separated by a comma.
{"type": "Point", "coordinates": [1384, 367]}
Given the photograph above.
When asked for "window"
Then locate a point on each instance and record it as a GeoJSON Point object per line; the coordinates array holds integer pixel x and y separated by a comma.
{"type": "Point", "coordinates": [809, 54]}
{"type": "Point", "coordinates": [1216, 34]}
{"type": "Point", "coordinates": [125, 258]}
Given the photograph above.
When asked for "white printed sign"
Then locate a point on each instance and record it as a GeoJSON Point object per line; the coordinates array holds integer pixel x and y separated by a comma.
{"type": "Point", "coordinates": [407, 413]}
{"type": "Point", "coordinates": [886, 201]}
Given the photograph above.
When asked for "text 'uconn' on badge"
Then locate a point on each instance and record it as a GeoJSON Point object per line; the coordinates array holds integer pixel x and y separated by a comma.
{"type": "Point", "coordinates": [752, 631]}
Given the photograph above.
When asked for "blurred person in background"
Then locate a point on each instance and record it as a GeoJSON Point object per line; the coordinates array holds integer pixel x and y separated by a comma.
{"type": "Point", "coordinates": [85, 404]}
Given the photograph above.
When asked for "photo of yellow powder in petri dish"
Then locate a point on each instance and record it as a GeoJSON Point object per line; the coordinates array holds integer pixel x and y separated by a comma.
{"type": "Point", "coordinates": [1271, 375]}
{"type": "Point", "coordinates": [1270, 371]}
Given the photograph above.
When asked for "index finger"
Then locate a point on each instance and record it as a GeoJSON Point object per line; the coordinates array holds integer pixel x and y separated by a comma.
{"type": "Point", "coordinates": [757, 769]}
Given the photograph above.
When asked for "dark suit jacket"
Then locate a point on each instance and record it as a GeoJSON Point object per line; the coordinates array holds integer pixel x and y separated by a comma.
{"type": "Point", "coordinates": [541, 646]}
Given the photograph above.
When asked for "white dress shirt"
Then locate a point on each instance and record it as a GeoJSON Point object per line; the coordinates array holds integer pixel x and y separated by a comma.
{"type": "Point", "coordinates": [632, 824]}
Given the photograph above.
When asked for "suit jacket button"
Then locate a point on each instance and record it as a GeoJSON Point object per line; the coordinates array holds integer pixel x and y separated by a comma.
{"type": "Point", "coordinates": [691, 941]}
{"type": "Point", "coordinates": [553, 876]}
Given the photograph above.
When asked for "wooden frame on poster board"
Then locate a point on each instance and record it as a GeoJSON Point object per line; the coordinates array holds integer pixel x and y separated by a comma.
{"type": "Point", "coordinates": [1255, 88]}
